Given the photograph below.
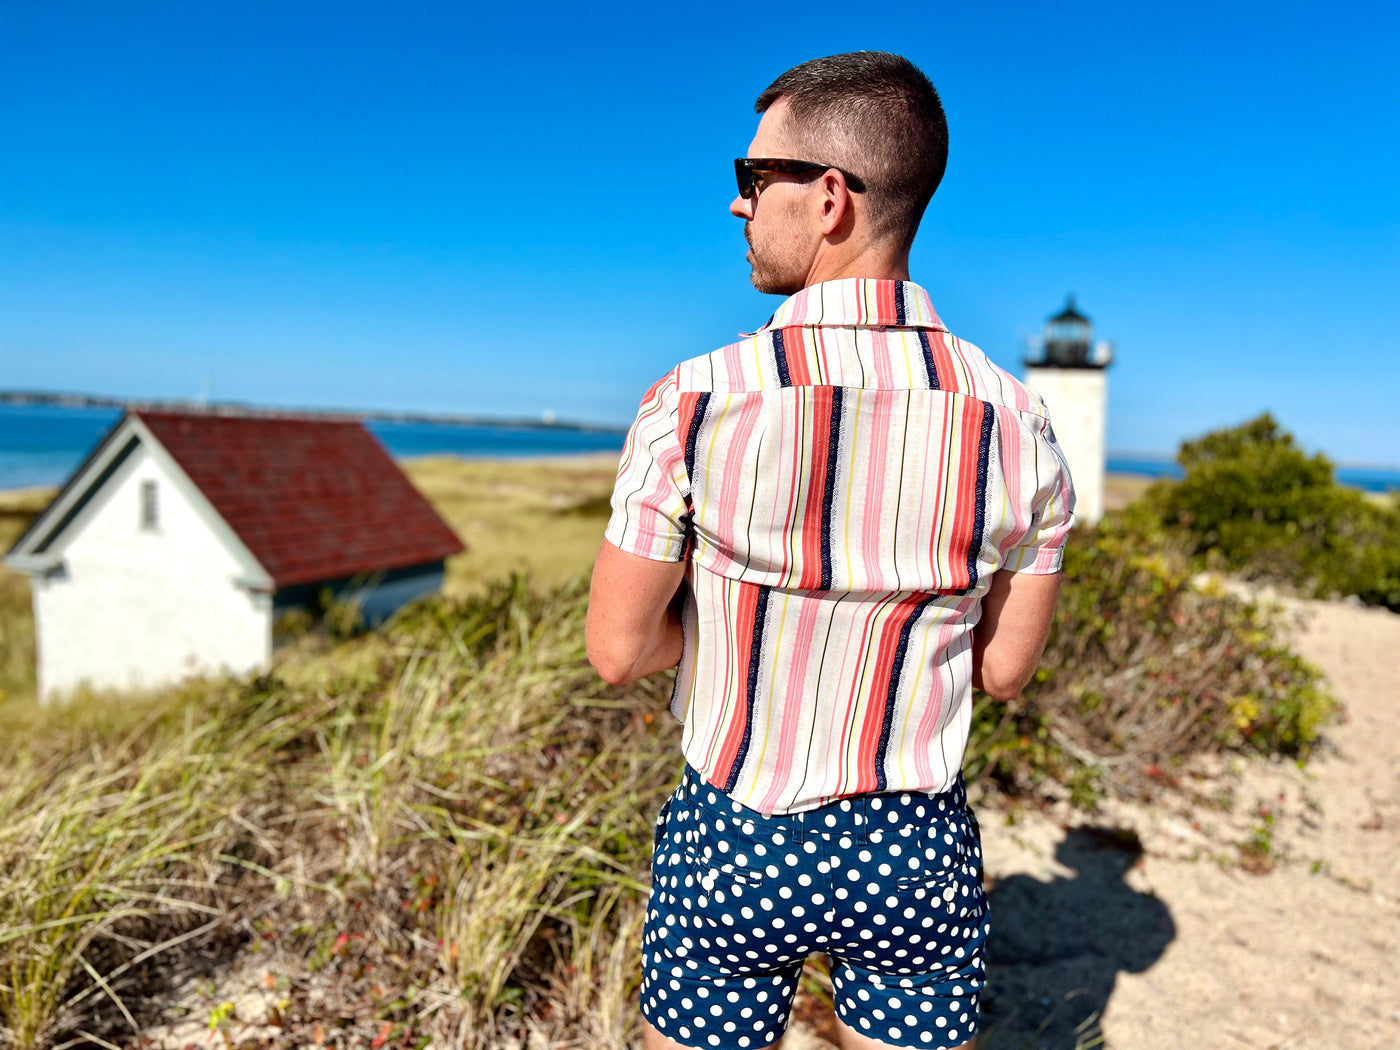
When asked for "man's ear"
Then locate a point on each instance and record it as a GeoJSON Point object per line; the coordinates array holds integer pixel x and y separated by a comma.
{"type": "Point", "coordinates": [836, 202]}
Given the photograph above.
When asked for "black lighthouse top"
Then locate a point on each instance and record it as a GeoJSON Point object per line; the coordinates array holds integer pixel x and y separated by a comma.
{"type": "Point", "coordinates": [1069, 342]}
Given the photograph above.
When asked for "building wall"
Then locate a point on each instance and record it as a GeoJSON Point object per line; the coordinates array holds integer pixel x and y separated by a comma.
{"type": "Point", "coordinates": [1078, 403]}
{"type": "Point", "coordinates": [137, 608]}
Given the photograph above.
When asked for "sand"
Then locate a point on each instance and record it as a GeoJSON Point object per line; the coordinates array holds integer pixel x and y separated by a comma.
{"type": "Point", "coordinates": [1292, 945]}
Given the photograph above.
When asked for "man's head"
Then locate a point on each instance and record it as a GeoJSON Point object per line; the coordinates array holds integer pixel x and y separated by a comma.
{"type": "Point", "coordinates": [869, 114]}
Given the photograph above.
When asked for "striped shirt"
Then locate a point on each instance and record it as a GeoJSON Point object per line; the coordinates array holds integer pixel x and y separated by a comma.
{"type": "Point", "coordinates": [843, 484]}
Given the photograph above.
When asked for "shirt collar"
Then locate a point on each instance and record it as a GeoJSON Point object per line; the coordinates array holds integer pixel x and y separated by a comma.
{"type": "Point", "coordinates": [857, 301]}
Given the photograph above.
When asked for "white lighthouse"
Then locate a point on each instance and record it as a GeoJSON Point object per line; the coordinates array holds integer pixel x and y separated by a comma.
{"type": "Point", "coordinates": [1067, 370]}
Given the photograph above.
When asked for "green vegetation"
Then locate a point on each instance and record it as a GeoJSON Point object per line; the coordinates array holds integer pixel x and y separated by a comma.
{"type": "Point", "coordinates": [440, 830]}
{"type": "Point", "coordinates": [1144, 670]}
{"type": "Point", "coordinates": [1253, 503]}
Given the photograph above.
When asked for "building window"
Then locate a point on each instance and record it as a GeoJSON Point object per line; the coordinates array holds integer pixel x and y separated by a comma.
{"type": "Point", "coordinates": [150, 508]}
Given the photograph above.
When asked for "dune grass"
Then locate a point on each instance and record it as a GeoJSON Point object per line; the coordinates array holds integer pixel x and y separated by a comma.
{"type": "Point", "coordinates": [439, 832]}
{"type": "Point", "coordinates": [449, 833]}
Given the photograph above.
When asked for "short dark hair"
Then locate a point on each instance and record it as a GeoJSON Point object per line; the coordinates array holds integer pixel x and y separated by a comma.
{"type": "Point", "coordinates": [877, 115]}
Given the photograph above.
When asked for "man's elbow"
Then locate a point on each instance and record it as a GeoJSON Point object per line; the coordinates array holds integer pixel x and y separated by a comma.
{"type": "Point", "coordinates": [613, 667]}
{"type": "Point", "coordinates": [1004, 685]}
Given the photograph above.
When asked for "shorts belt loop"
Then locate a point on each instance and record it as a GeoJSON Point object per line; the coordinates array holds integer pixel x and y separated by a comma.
{"type": "Point", "coordinates": [861, 804]}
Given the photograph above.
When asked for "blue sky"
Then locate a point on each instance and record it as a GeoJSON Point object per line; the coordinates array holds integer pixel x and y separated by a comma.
{"type": "Point", "coordinates": [518, 207]}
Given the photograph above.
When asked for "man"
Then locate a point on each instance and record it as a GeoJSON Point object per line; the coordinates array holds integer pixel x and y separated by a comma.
{"type": "Point", "coordinates": [811, 522]}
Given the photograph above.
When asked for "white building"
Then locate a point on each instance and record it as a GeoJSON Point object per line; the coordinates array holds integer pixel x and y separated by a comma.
{"type": "Point", "coordinates": [173, 548]}
{"type": "Point", "coordinates": [1069, 374]}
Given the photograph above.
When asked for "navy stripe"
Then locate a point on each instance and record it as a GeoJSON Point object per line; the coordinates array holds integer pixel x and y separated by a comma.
{"type": "Point", "coordinates": [702, 402]}
{"type": "Point", "coordinates": [933, 383]}
{"type": "Point", "coordinates": [892, 695]}
{"type": "Point", "coordinates": [899, 303]}
{"type": "Point", "coordinates": [833, 450]}
{"type": "Point", "coordinates": [760, 614]}
{"type": "Point", "coordinates": [780, 356]}
{"type": "Point", "coordinates": [984, 453]}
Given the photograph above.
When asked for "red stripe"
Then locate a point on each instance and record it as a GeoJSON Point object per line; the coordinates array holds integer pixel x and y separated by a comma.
{"type": "Point", "coordinates": [743, 648]}
{"type": "Point", "coordinates": [686, 415]}
{"type": "Point", "coordinates": [868, 745]}
{"type": "Point", "coordinates": [965, 494]}
{"type": "Point", "coordinates": [795, 346]}
{"type": "Point", "coordinates": [819, 427]}
{"type": "Point", "coordinates": [888, 310]}
{"type": "Point", "coordinates": [948, 374]}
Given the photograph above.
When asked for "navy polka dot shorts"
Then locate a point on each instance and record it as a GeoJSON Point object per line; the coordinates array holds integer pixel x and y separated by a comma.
{"type": "Point", "coordinates": [889, 886]}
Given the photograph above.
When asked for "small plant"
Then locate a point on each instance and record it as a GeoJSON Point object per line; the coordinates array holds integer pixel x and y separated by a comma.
{"type": "Point", "coordinates": [1257, 853]}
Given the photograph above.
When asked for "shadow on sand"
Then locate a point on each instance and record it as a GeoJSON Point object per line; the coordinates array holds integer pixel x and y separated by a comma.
{"type": "Point", "coordinates": [1057, 947]}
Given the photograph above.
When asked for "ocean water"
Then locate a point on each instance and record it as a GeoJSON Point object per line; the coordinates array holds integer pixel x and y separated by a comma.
{"type": "Point", "coordinates": [1368, 479]}
{"type": "Point", "coordinates": [43, 444]}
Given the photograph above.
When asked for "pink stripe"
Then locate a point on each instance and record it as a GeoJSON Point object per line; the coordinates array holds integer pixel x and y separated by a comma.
{"type": "Point", "coordinates": [923, 734]}
{"type": "Point", "coordinates": [845, 722]}
{"type": "Point", "coordinates": [871, 520]}
{"type": "Point", "coordinates": [787, 540]}
{"type": "Point", "coordinates": [736, 454]}
{"type": "Point", "coordinates": [1011, 474]}
{"type": "Point", "coordinates": [720, 712]}
{"type": "Point", "coordinates": [792, 702]}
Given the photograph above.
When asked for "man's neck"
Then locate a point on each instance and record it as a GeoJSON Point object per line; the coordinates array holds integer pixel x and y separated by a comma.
{"type": "Point", "coordinates": [872, 263]}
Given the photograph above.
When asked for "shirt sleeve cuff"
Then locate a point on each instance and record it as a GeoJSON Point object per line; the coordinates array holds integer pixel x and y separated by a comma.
{"type": "Point", "coordinates": [1037, 561]}
{"type": "Point", "coordinates": [654, 546]}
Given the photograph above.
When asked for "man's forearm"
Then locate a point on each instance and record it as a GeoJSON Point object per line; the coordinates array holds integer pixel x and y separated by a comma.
{"type": "Point", "coordinates": [664, 650]}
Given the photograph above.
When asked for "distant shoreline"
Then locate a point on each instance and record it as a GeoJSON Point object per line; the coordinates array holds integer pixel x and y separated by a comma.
{"type": "Point", "coordinates": [75, 400]}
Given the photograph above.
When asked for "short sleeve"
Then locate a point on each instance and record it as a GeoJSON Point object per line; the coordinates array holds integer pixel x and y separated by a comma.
{"type": "Point", "coordinates": [1041, 551]}
{"type": "Point", "coordinates": [650, 509]}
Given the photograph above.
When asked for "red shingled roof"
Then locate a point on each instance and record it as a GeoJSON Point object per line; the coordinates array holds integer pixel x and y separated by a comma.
{"type": "Point", "coordinates": [312, 499]}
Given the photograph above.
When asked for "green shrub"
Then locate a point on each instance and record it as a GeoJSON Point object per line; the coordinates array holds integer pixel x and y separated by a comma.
{"type": "Point", "coordinates": [1253, 503]}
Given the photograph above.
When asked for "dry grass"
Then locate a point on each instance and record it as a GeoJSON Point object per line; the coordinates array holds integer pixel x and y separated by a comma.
{"type": "Point", "coordinates": [17, 509]}
{"type": "Point", "coordinates": [542, 518]}
{"type": "Point", "coordinates": [443, 828]}
{"type": "Point", "coordinates": [438, 832]}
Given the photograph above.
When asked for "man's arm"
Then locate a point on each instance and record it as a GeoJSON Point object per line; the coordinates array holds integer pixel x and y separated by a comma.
{"type": "Point", "coordinates": [633, 627]}
{"type": "Point", "coordinates": [1008, 640]}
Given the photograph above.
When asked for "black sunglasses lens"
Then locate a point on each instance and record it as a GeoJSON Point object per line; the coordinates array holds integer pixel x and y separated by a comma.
{"type": "Point", "coordinates": [744, 174]}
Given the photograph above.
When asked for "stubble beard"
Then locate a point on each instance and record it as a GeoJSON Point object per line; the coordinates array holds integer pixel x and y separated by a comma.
{"type": "Point", "coordinates": [767, 274]}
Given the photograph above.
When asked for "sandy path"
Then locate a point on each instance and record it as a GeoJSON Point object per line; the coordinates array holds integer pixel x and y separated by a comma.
{"type": "Point", "coordinates": [1181, 946]}
{"type": "Point", "coordinates": [1198, 951]}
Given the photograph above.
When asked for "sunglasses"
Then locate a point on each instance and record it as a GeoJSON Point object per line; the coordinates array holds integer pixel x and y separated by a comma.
{"type": "Point", "coordinates": [748, 169]}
